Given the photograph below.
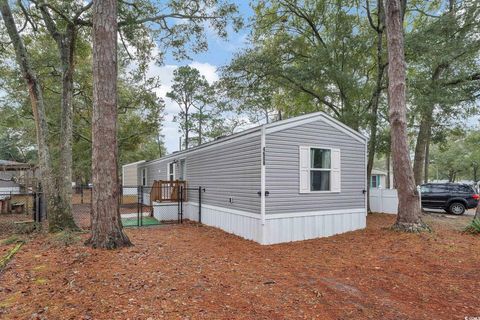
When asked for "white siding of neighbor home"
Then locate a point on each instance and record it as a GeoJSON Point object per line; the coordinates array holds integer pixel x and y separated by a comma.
{"type": "Point", "coordinates": [130, 175]}
{"type": "Point", "coordinates": [282, 169]}
{"type": "Point", "coordinates": [226, 169]}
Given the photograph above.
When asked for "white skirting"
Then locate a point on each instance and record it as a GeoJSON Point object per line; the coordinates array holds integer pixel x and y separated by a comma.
{"type": "Point", "coordinates": [311, 225]}
{"type": "Point", "coordinates": [165, 211]}
{"type": "Point", "coordinates": [281, 227]}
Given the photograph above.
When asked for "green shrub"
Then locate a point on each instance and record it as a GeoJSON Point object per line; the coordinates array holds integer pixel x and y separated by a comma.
{"type": "Point", "coordinates": [473, 227]}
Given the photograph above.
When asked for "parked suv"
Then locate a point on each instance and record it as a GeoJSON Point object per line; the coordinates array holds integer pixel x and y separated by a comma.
{"type": "Point", "coordinates": [452, 197]}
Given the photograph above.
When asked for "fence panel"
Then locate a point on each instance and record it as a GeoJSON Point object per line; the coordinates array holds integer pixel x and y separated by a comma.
{"type": "Point", "coordinates": [18, 210]}
{"type": "Point", "coordinates": [135, 207]}
{"type": "Point", "coordinates": [383, 200]}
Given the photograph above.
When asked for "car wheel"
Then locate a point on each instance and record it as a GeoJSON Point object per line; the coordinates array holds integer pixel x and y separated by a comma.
{"type": "Point", "coordinates": [457, 208]}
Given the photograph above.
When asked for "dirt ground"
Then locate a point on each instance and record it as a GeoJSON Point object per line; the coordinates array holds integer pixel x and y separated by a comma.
{"type": "Point", "coordinates": [197, 272]}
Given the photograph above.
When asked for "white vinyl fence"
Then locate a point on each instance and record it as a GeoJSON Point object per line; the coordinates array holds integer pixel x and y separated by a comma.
{"type": "Point", "coordinates": [383, 200]}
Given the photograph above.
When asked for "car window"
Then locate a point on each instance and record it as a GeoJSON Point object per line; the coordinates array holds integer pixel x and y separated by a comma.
{"type": "Point", "coordinates": [425, 189]}
{"type": "Point", "coordinates": [437, 188]}
{"type": "Point", "coordinates": [462, 189]}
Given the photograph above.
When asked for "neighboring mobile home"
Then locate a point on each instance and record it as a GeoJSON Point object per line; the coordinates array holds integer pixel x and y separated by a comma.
{"type": "Point", "coordinates": [290, 180]}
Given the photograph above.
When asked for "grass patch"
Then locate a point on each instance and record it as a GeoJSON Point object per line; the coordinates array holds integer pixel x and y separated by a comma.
{"type": "Point", "coordinates": [6, 258]}
{"type": "Point", "coordinates": [11, 240]}
{"type": "Point", "coordinates": [146, 221]}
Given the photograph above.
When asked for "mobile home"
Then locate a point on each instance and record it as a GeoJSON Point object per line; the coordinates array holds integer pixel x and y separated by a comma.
{"type": "Point", "coordinates": [296, 179]}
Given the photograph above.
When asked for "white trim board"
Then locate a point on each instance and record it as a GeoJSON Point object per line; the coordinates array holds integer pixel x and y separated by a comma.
{"type": "Point", "coordinates": [272, 216]}
{"type": "Point", "coordinates": [314, 213]}
{"type": "Point", "coordinates": [132, 163]}
{"type": "Point", "coordinates": [229, 210]}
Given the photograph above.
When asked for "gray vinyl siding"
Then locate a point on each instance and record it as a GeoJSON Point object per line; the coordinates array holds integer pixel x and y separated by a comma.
{"type": "Point", "coordinates": [7, 176]}
{"type": "Point", "coordinates": [282, 169]}
{"type": "Point", "coordinates": [230, 169]}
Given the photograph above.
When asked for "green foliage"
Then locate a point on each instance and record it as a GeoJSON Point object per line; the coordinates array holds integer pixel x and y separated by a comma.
{"type": "Point", "coordinates": [322, 55]}
{"type": "Point", "coordinates": [457, 157]}
{"type": "Point", "coordinates": [308, 56]}
{"type": "Point", "coordinates": [473, 227]}
{"type": "Point", "coordinates": [201, 112]}
{"type": "Point", "coordinates": [11, 240]}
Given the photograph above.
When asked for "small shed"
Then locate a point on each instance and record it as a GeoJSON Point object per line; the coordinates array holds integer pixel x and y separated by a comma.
{"type": "Point", "coordinates": [16, 176]}
{"type": "Point", "coordinates": [296, 179]}
{"type": "Point", "coordinates": [129, 177]}
{"type": "Point", "coordinates": [381, 180]}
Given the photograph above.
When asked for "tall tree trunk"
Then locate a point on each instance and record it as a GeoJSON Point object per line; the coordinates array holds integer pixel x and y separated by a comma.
{"type": "Point", "coordinates": [65, 174]}
{"type": "Point", "coordinates": [66, 47]}
{"type": "Point", "coordinates": [376, 97]}
{"type": "Point", "coordinates": [427, 157]}
{"type": "Point", "coordinates": [106, 223]}
{"type": "Point", "coordinates": [389, 181]}
{"type": "Point", "coordinates": [200, 127]}
{"type": "Point", "coordinates": [421, 145]}
{"type": "Point", "coordinates": [408, 217]}
{"type": "Point", "coordinates": [38, 110]}
{"type": "Point", "coordinates": [187, 129]}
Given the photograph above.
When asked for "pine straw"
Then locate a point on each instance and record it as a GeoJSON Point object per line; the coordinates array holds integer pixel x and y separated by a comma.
{"type": "Point", "coordinates": [192, 272]}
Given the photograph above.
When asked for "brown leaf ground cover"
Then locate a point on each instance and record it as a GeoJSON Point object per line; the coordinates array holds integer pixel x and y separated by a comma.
{"type": "Point", "coordinates": [196, 272]}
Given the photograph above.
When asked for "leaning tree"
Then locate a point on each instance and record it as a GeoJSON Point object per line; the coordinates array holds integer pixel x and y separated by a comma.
{"type": "Point", "coordinates": [408, 217]}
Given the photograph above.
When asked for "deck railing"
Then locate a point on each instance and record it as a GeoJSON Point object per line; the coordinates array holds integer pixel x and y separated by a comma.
{"type": "Point", "coordinates": [164, 191]}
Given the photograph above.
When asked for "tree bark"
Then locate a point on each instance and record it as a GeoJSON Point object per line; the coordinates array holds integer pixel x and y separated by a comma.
{"type": "Point", "coordinates": [66, 47]}
{"type": "Point", "coordinates": [408, 217]}
{"type": "Point", "coordinates": [38, 109]}
{"type": "Point", "coordinates": [106, 222]}
{"type": "Point", "coordinates": [379, 28]}
{"type": "Point", "coordinates": [389, 182]}
{"type": "Point", "coordinates": [187, 129]}
{"type": "Point", "coordinates": [66, 132]}
{"type": "Point", "coordinates": [421, 146]}
{"type": "Point", "coordinates": [427, 157]}
{"type": "Point", "coordinates": [200, 128]}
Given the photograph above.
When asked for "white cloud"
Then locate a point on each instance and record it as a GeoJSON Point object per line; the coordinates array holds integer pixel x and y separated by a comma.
{"type": "Point", "coordinates": [208, 70]}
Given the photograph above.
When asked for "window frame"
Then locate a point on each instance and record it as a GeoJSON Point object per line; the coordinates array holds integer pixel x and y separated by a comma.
{"type": "Point", "coordinates": [170, 173]}
{"type": "Point", "coordinates": [310, 169]}
{"type": "Point", "coordinates": [376, 181]}
{"type": "Point", "coordinates": [144, 177]}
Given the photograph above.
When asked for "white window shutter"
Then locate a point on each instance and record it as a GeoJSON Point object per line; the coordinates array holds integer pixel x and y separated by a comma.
{"type": "Point", "coordinates": [304, 169]}
{"type": "Point", "coordinates": [336, 181]}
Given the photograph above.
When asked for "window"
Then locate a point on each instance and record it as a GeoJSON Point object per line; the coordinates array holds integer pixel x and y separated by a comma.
{"type": "Point", "coordinates": [171, 171]}
{"type": "Point", "coordinates": [374, 181]}
{"type": "Point", "coordinates": [425, 189]}
{"type": "Point", "coordinates": [320, 160]}
{"type": "Point", "coordinates": [438, 188]}
{"type": "Point", "coordinates": [144, 177]}
{"type": "Point", "coordinates": [319, 169]}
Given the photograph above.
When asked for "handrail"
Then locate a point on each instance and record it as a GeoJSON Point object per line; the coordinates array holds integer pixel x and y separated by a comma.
{"type": "Point", "coordinates": [163, 191]}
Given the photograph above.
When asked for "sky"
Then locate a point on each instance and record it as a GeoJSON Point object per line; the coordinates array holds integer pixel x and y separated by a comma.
{"type": "Point", "coordinates": [219, 53]}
